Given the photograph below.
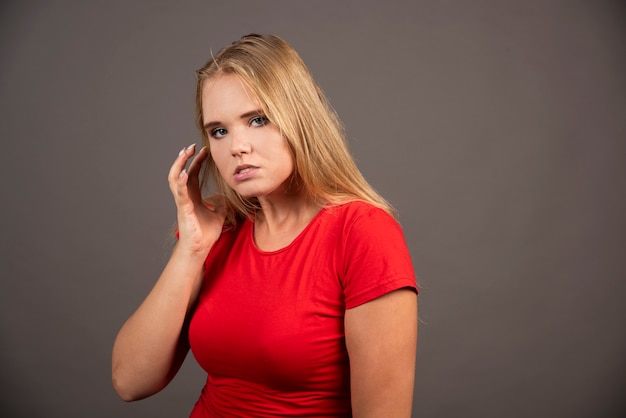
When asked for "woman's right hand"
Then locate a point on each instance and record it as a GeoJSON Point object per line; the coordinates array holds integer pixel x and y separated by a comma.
{"type": "Point", "coordinates": [149, 350]}
{"type": "Point", "coordinates": [200, 221]}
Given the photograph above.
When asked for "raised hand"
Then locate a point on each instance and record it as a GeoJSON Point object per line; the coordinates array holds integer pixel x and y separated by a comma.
{"type": "Point", "coordinates": [149, 350]}
{"type": "Point", "coordinates": [200, 220]}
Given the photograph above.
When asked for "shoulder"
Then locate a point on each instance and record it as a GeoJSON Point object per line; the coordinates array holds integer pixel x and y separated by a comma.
{"type": "Point", "coordinates": [364, 228]}
{"type": "Point", "coordinates": [374, 256]}
{"type": "Point", "coordinates": [361, 220]}
{"type": "Point", "coordinates": [359, 212]}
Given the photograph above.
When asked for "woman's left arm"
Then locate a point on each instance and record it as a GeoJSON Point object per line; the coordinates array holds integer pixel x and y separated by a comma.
{"type": "Point", "coordinates": [381, 338]}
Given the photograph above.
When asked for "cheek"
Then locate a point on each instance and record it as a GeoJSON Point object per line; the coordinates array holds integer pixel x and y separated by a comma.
{"type": "Point", "coordinates": [288, 158]}
{"type": "Point", "coordinates": [216, 150]}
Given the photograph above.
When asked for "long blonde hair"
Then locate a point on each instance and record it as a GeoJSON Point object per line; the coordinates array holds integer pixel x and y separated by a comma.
{"type": "Point", "coordinates": [292, 101]}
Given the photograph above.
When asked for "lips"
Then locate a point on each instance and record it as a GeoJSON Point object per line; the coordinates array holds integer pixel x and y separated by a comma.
{"type": "Point", "coordinates": [244, 172]}
{"type": "Point", "coordinates": [242, 169]}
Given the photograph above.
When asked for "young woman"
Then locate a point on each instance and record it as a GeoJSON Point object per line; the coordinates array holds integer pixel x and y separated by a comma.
{"type": "Point", "coordinates": [293, 286]}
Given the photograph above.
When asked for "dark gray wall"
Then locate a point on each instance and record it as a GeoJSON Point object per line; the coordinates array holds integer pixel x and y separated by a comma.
{"type": "Point", "coordinates": [497, 128]}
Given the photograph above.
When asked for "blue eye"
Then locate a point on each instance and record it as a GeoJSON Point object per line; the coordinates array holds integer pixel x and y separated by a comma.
{"type": "Point", "coordinates": [258, 121]}
{"type": "Point", "coordinates": [218, 133]}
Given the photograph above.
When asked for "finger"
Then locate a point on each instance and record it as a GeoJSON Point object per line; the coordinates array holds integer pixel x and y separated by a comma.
{"type": "Point", "coordinates": [195, 166]}
{"type": "Point", "coordinates": [178, 178]}
{"type": "Point", "coordinates": [179, 163]}
{"type": "Point", "coordinates": [193, 177]}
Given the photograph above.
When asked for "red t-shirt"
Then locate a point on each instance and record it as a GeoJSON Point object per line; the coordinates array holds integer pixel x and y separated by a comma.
{"type": "Point", "coordinates": [269, 326]}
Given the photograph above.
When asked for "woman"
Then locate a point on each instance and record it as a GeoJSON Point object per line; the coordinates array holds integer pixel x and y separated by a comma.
{"type": "Point", "coordinates": [293, 287]}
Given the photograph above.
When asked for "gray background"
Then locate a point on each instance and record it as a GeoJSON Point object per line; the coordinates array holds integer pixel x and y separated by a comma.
{"type": "Point", "coordinates": [497, 129]}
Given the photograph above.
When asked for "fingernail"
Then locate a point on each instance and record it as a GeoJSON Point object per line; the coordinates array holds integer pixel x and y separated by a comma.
{"type": "Point", "coordinates": [191, 146]}
{"type": "Point", "coordinates": [182, 151]}
{"type": "Point", "coordinates": [182, 173]}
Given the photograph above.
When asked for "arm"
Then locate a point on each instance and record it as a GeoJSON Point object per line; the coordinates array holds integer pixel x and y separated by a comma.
{"type": "Point", "coordinates": [151, 345]}
{"type": "Point", "coordinates": [381, 338]}
{"type": "Point", "coordinates": [150, 348]}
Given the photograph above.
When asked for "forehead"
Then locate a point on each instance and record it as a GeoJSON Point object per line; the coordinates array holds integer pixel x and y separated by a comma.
{"type": "Point", "coordinates": [225, 96]}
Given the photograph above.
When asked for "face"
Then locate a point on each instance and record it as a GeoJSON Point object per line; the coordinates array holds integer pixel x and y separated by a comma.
{"type": "Point", "coordinates": [250, 153]}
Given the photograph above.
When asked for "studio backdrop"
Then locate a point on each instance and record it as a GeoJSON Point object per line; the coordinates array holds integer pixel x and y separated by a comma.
{"type": "Point", "coordinates": [496, 128]}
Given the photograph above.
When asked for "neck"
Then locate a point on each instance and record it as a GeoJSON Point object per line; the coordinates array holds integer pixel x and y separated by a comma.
{"type": "Point", "coordinates": [281, 220]}
{"type": "Point", "coordinates": [288, 210]}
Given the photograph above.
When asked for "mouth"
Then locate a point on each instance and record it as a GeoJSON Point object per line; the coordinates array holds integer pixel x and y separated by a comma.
{"type": "Point", "coordinates": [245, 172]}
{"type": "Point", "coordinates": [242, 169]}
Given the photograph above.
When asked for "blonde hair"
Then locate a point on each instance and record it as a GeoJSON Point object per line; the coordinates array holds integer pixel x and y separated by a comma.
{"type": "Point", "coordinates": [291, 100]}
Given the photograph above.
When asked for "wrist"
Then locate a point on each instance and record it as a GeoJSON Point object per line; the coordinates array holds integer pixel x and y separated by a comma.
{"type": "Point", "coordinates": [191, 255]}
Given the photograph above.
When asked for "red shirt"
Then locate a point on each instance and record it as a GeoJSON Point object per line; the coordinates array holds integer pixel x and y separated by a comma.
{"type": "Point", "coordinates": [269, 326]}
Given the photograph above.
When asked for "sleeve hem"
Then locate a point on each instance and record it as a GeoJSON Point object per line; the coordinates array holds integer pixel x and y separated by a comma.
{"type": "Point", "coordinates": [380, 290]}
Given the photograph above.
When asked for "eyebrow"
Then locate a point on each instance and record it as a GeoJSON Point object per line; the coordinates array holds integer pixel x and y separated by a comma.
{"type": "Point", "coordinates": [212, 124]}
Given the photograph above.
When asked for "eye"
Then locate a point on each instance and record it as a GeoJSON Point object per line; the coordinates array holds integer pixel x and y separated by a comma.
{"type": "Point", "coordinates": [258, 121]}
{"type": "Point", "coordinates": [218, 133]}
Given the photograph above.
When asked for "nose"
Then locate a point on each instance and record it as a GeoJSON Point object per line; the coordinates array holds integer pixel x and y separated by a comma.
{"type": "Point", "coordinates": [240, 143]}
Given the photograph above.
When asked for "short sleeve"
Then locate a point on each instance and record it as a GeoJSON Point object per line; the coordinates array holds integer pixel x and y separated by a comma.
{"type": "Point", "coordinates": [376, 258]}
